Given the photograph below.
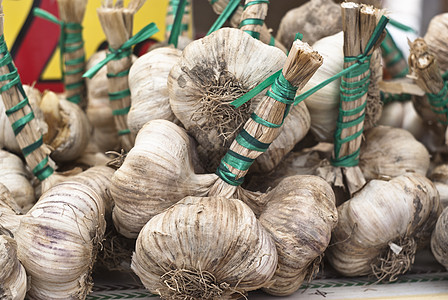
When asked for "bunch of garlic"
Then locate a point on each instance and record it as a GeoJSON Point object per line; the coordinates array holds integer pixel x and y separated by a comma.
{"type": "Point", "coordinates": [439, 239]}
{"type": "Point", "coordinates": [16, 178]}
{"type": "Point", "coordinates": [391, 152]}
{"type": "Point", "coordinates": [68, 127]}
{"type": "Point", "coordinates": [63, 232]}
{"type": "Point", "coordinates": [148, 85]}
{"type": "Point", "coordinates": [223, 251]}
{"type": "Point", "coordinates": [13, 281]}
{"type": "Point", "coordinates": [380, 227]}
{"type": "Point", "coordinates": [209, 76]}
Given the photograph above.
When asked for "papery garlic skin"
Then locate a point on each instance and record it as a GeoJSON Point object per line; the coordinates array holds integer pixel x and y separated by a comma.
{"type": "Point", "coordinates": [323, 105]}
{"type": "Point", "coordinates": [382, 212]}
{"type": "Point", "coordinates": [59, 237]}
{"type": "Point", "coordinates": [157, 173]}
{"type": "Point", "coordinates": [439, 176]}
{"type": "Point", "coordinates": [299, 215]}
{"type": "Point", "coordinates": [216, 235]}
{"type": "Point", "coordinates": [16, 178]}
{"type": "Point", "coordinates": [148, 78]}
{"type": "Point", "coordinates": [216, 70]}
{"type": "Point", "coordinates": [13, 281]}
{"type": "Point", "coordinates": [436, 38]}
{"type": "Point", "coordinates": [315, 19]}
{"type": "Point", "coordinates": [391, 152]}
{"type": "Point", "coordinates": [439, 239]}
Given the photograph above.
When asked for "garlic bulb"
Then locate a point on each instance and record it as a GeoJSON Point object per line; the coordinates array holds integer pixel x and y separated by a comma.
{"type": "Point", "coordinates": [220, 251]}
{"type": "Point", "coordinates": [148, 84]}
{"type": "Point", "coordinates": [59, 237]}
{"type": "Point", "coordinates": [299, 215]}
{"type": "Point", "coordinates": [324, 104]}
{"type": "Point", "coordinates": [98, 109]}
{"type": "Point", "coordinates": [403, 115]}
{"type": "Point", "coordinates": [9, 212]}
{"type": "Point", "coordinates": [163, 159]}
{"type": "Point", "coordinates": [436, 39]}
{"type": "Point", "coordinates": [315, 19]}
{"type": "Point", "coordinates": [211, 73]}
{"type": "Point", "coordinates": [439, 239]}
{"type": "Point", "coordinates": [12, 273]}
{"type": "Point", "coordinates": [68, 128]}
{"type": "Point", "coordinates": [16, 178]}
{"type": "Point", "coordinates": [380, 227]}
{"type": "Point", "coordinates": [439, 176]}
{"type": "Point", "coordinates": [391, 152]}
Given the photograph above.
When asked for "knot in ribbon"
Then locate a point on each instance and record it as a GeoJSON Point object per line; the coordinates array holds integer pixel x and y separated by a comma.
{"type": "Point", "coordinates": [124, 50]}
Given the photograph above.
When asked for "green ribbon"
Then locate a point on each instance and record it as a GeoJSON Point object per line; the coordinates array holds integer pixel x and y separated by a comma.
{"type": "Point", "coordinates": [42, 170]}
{"type": "Point", "coordinates": [281, 90]}
{"type": "Point", "coordinates": [256, 2]}
{"type": "Point", "coordinates": [401, 26]}
{"type": "Point", "coordinates": [177, 24]}
{"type": "Point", "coordinates": [388, 48]}
{"type": "Point", "coordinates": [124, 50]}
{"type": "Point", "coordinates": [351, 91]}
{"type": "Point", "coordinates": [388, 97]}
{"type": "Point", "coordinates": [440, 100]}
{"type": "Point", "coordinates": [226, 14]}
{"type": "Point", "coordinates": [66, 40]}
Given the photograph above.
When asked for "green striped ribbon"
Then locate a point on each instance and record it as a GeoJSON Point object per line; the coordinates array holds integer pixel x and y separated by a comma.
{"type": "Point", "coordinates": [124, 50]}
{"type": "Point", "coordinates": [281, 90]}
{"type": "Point", "coordinates": [352, 91]}
{"type": "Point", "coordinates": [389, 48]}
{"type": "Point", "coordinates": [440, 100]}
{"type": "Point", "coordinates": [389, 97]}
{"type": "Point", "coordinates": [226, 14]}
{"type": "Point", "coordinates": [69, 42]}
{"type": "Point", "coordinates": [177, 26]}
{"type": "Point", "coordinates": [253, 21]}
{"type": "Point", "coordinates": [42, 170]}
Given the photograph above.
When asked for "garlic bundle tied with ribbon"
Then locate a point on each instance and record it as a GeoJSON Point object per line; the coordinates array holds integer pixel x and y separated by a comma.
{"type": "Point", "coordinates": [175, 225]}
{"type": "Point", "coordinates": [209, 76]}
{"type": "Point", "coordinates": [380, 228]}
{"type": "Point", "coordinates": [13, 281]}
{"type": "Point", "coordinates": [439, 239]}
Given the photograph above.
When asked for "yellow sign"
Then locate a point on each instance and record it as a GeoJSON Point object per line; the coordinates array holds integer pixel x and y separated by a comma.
{"type": "Point", "coordinates": [20, 30]}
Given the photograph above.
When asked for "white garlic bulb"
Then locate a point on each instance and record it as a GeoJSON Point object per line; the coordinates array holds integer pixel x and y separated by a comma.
{"type": "Point", "coordinates": [163, 159]}
{"type": "Point", "coordinates": [439, 239]}
{"type": "Point", "coordinates": [68, 127]}
{"type": "Point", "coordinates": [388, 151]}
{"type": "Point", "coordinates": [13, 279]}
{"type": "Point", "coordinates": [439, 176]}
{"type": "Point", "coordinates": [436, 39]}
{"type": "Point", "coordinates": [380, 227]}
{"type": "Point", "coordinates": [299, 215]}
{"type": "Point", "coordinates": [323, 105]}
{"type": "Point", "coordinates": [213, 244]}
{"type": "Point", "coordinates": [16, 178]}
{"type": "Point", "coordinates": [59, 237]}
{"type": "Point", "coordinates": [211, 73]}
{"type": "Point", "coordinates": [148, 85]}
{"type": "Point", "coordinates": [315, 19]}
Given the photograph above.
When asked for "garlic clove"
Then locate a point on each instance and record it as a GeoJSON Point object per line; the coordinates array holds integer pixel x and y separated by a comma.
{"type": "Point", "coordinates": [216, 244]}
{"type": "Point", "coordinates": [149, 90]}
{"type": "Point", "coordinates": [13, 280]}
{"type": "Point", "coordinates": [299, 215]}
{"type": "Point", "coordinates": [157, 173]}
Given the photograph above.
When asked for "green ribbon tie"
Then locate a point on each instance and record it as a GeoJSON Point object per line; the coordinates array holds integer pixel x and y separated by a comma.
{"type": "Point", "coordinates": [440, 100]}
{"type": "Point", "coordinates": [124, 50]}
{"type": "Point", "coordinates": [226, 14]}
{"type": "Point", "coordinates": [388, 97]}
{"type": "Point", "coordinates": [177, 24]}
{"type": "Point", "coordinates": [42, 169]}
